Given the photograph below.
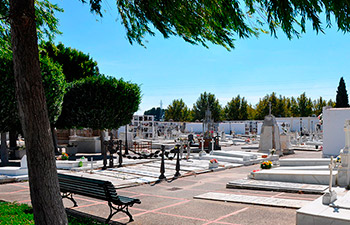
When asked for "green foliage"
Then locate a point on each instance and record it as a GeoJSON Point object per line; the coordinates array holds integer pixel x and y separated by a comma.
{"type": "Point", "coordinates": [318, 106]}
{"type": "Point", "coordinates": [304, 105]}
{"type": "Point", "coordinates": [342, 95]}
{"type": "Point", "coordinates": [99, 102]}
{"type": "Point", "coordinates": [46, 22]}
{"type": "Point", "coordinates": [204, 101]}
{"type": "Point", "coordinates": [54, 85]}
{"type": "Point", "coordinates": [277, 107]}
{"type": "Point", "coordinates": [13, 213]}
{"type": "Point", "coordinates": [156, 112]}
{"type": "Point", "coordinates": [236, 109]}
{"type": "Point", "coordinates": [75, 64]}
{"type": "Point", "coordinates": [220, 22]}
{"type": "Point", "coordinates": [177, 111]}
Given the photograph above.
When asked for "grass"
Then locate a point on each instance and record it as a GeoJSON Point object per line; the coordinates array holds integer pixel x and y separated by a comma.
{"type": "Point", "coordinates": [13, 213]}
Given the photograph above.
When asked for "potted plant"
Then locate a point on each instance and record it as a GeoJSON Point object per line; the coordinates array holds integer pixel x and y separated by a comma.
{"type": "Point", "coordinates": [213, 163]}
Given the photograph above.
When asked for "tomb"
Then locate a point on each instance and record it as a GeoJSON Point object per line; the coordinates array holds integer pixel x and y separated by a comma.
{"type": "Point", "coordinates": [270, 136]}
{"type": "Point", "coordinates": [15, 170]}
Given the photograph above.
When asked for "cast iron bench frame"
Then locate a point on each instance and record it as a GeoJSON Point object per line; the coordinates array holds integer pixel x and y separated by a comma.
{"type": "Point", "coordinates": [99, 189]}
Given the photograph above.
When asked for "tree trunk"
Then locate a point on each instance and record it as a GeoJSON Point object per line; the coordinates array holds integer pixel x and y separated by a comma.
{"type": "Point", "coordinates": [13, 135]}
{"type": "Point", "coordinates": [43, 182]}
{"type": "Point", "coordinates": [3, 150]}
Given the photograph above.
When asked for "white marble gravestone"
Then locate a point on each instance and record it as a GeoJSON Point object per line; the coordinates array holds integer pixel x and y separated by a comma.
{"type": "Point", "coordinates": [270, 136]}
{"type": "Point", "coordinates": [24, 162]}
{"type": "Point", "coordinates": [344, 168]}
{"type": "Point", "coordinates": [286, 145]}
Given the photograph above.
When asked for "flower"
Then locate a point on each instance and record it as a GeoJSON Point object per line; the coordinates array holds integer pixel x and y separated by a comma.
{"type": "Point", "coordinates": [64, 156]}
{"type": "Point", "coordinates": [213, 161]}
{"type": "Point", "coordinates": [266, 165]}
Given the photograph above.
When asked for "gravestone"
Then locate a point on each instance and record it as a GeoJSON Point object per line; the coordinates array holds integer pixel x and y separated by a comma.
{"type": "Point", "coordinates": [286, 145]}
{"type": "Point", "coordinates": [344, 168]}
{"type": "Point", "coordinates": [270, 136]}
{"type": "Point", "coordinates": [24, 162]}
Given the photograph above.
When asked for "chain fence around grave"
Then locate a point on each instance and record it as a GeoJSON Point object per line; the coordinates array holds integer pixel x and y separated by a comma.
{"type": "Point", "coordinates": [112, 147]}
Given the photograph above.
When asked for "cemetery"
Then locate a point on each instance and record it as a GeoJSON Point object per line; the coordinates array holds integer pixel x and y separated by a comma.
{"type": "Point", "coordinates": [80, 143]}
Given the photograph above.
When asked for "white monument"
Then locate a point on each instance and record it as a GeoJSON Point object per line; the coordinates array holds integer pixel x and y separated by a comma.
{"type": "Point", "coordinates": [344, 168]}
{"type": "Point", "coordinates": [270, 135]}
{"type": "Point", "coordinates": [286, 145]}
{"type": "Point", "coordinates": [333, 133]}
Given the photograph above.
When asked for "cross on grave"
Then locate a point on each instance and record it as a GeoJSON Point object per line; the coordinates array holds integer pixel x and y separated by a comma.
{"type": "Point", "coordinates": [270, 108]}
{"type": "Point", "coordinates": [331, 196]}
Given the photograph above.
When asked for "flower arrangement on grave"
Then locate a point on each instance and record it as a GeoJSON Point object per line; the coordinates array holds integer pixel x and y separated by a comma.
{"type": "Point", "coordinates": [64, 156]}
{"type": "Point", "coordinates": [213, 161]}
{"type": "Point", "coordinates": [266, 165]}
{"type": "Point", "coordinates": [338, 159]}
{"type": "Point", "coordinates": [145, 152]}
{"type": "Point", "coordinates": [272, 151]}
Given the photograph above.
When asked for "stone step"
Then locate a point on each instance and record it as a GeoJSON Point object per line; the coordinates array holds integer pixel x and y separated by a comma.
{"type": "Point", "coordinates": [276, 186]}
{"type": "Point", "coordinates": [295, 176]}
{"type": "Point", "coordinates": [236, 154]}
{"type": "Point", "coordinates": [302, 168]}
{"type": "Point", "coordinates": [304, 162]}
{"type": "Point", "coordinates": [256, 200]}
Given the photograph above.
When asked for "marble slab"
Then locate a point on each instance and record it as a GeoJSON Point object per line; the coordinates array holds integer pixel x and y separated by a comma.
{"type": "Point", "coordinates": [276, 186]}
{"type": "Point", "coordinates": [256, 200]}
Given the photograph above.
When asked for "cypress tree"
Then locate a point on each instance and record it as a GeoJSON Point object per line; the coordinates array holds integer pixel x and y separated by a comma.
{"type": "Point", "coordinates": [342, 95]}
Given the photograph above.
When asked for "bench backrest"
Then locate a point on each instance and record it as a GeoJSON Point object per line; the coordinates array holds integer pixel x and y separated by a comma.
{"type": "Point", "coordinates": [89, 187]}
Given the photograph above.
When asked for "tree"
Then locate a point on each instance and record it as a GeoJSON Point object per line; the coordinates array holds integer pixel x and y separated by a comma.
{"type": "Point", "coordinates": [304, 105]}
{"type": "Point", "coordinates": [318, 105]}
{"type": "Point", "coordinates": [195, 21]}
{"type": "Point", "coordinates": [236, 109]}
{"type": "Point", "coordinates": [204, 101]}
{"type": "Point", "coordinates": [177, 111]}
{"type": "Point", "coordinates": [156, 112]}
{"type": "Point", "coordinates": [99, 103]}
{"type": "Point", "coordinates": [342, 95]}
{"type": "Point", "coordinates": [75, 64]}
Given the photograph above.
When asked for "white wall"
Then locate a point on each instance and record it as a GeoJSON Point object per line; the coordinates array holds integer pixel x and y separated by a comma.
{"type": "Point", "coordinates": [333, 130]}
{"type": "Point", "coordinates": [194, 127]}
{"type": "Point", "coordinates": [238, 128]}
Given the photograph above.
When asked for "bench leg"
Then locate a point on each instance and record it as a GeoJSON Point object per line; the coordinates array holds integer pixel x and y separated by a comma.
{"type": "Point", "coordinates": [124, 209]}
{"type": "Point", "coordinates": [70, 197]}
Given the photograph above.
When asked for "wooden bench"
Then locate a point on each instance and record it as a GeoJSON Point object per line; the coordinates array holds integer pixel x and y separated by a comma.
{"type": "Point", "coordinates": [99, 189]}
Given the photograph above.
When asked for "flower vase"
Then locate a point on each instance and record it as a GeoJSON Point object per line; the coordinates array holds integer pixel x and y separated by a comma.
{"type": "Point", "coordinates": [213, 165]}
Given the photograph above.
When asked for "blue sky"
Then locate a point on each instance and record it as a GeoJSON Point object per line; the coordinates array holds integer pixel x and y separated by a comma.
{"type": "Point", "coordinates": [171, 69]}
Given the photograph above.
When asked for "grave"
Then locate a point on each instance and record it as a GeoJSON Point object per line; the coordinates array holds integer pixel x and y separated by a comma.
{"type": "Point", "coordinates": [16, 171]}
{"type": "Point", "coordinates": [270, 135]}
{"type": "Point", "coordinates": [344, 168]}
{"type": "Point", "coordinates": [316, 213]}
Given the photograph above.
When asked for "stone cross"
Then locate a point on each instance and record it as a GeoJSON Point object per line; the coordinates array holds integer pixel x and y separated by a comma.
{"type": "Point", "coordinates": [331, 165]}
{"type": "Point", "coordinates": [270, 108]}
{"type": "Point", "coordinates": [212, 146]}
